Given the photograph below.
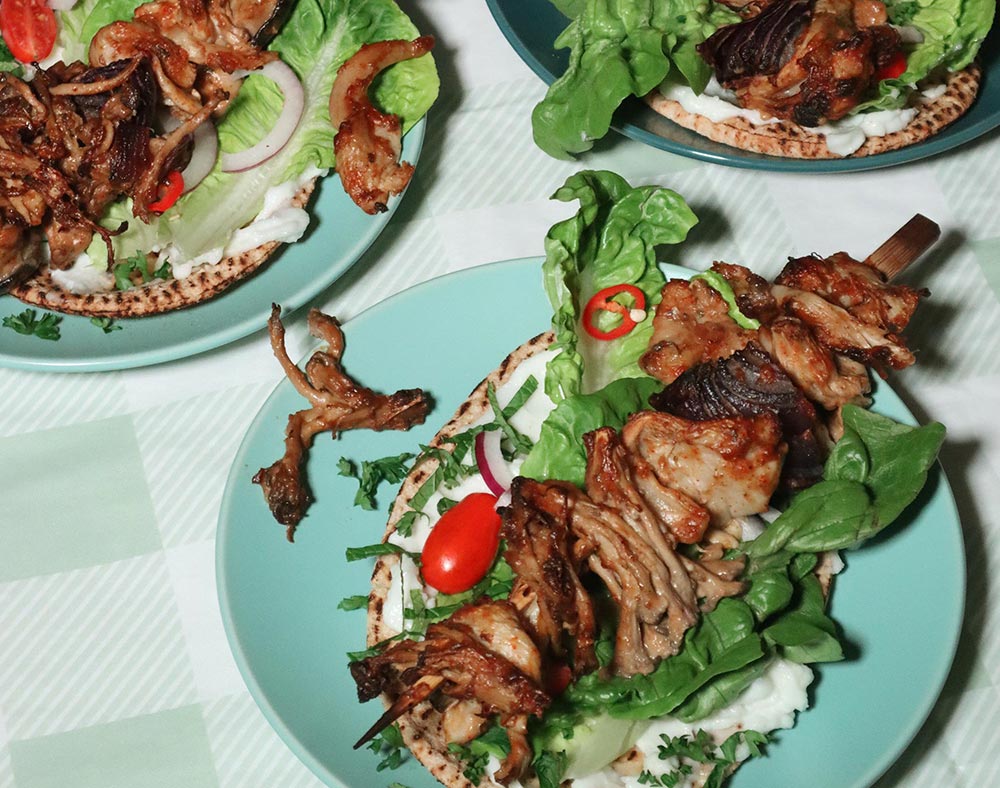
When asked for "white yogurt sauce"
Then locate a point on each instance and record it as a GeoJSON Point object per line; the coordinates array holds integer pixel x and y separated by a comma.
{"type": "Point", "coordinates": [843, 136]}
{"type": "Point", "coordinates": [278, 220]}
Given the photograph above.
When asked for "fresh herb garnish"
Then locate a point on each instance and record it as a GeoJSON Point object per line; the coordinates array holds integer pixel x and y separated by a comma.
{"type": "Point", "coordinates": [138, 264]}
{"type": "Point", "coordinates": [28, 323]}
{"type": "Point", "coordinates": [476, 754]}
{"type": "Point", "coordinates": [376, 550]}
{"type": "Point", "coordinates": [701, 748]}
{"type": "Point", "coordinates": [354, 602]}
{"type": "Point", "coordinates": [389, 746]}
{"type": "Point", "coordinates": [106, 324]}
{"type": "Point", "coordinates": [372, 474]}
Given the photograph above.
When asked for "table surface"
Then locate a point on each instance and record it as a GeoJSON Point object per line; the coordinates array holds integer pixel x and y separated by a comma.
{"type": "Point", "coordinates": [114, 667]}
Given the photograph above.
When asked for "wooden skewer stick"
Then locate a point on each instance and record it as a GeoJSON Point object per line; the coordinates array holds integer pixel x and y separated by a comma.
{"type": "Point", "coordinates": [904, 246]}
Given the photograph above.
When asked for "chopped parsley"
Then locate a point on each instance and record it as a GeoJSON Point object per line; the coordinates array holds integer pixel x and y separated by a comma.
{"type": "Point", "coordinates": [28, 323]}
{"type": "Point", "coordinates": [354, 602]}
{"type": "Point", "coordinates": [139, 265]}
{"type": "Point", "coordinates": [106, 324]}
{"type": "Point", "coordinates": [701, 748]}
{"type": "Point", "coordinates": [389, 746]}
{"type": "Point", "coordinates": [376, 550]}
{"type": "Point", "coordinates": [372, 474]}
{"type": "Point", "coordinates": [476, 754]}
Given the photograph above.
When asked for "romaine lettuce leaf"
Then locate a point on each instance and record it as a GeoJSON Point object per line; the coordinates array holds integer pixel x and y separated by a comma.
{"type": "Point", "coordinates": [317, 38]}
{"type": "Point", "coordinates": [611, 240]}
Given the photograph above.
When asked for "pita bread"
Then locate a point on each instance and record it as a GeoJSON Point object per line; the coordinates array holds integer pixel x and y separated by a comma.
{"type": "Point", "coordinates": [421, 728]}
{"type": "Point", "coordinates": [160, 295]}
{"type": "Point", "coordinates": [790, 140]}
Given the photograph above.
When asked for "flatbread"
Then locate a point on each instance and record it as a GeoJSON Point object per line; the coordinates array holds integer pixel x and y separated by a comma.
{"type": "Point", "coordinates": [790, 140]}
{"type": "Point", "coordinates": [421, 728]}
{"type": "Point", "coordinates": [161, 295]}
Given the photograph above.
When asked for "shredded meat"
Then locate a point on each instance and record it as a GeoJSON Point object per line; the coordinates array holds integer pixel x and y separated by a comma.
{"type": "Point", "coordinates": [547, 591]}
{"type": "Point", "coordinates": [481, 654]}
{"type": "Point", "coordinates": [337, 403]}
{"type": "Point", "coordinates": [368, 143]}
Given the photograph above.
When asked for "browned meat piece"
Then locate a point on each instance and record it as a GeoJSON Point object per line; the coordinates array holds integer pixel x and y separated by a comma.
{"type": "Point", "coordinates": [730, 466]}
{"type": "Point", "coordinates": [810, 61]}
{"type": "Point", "coordinates": [753, 292]}
{"type": "Point", "coordinates": [481, 654]}
{"type": "Point", "coordinates": [368, 143]}
{"type": "Point", "coordinates": [338, 403]}
{"type": "Point", "coordinates": [20, 254]}
{"type": "Point", "coordinates": [824, 377]}
{"type": "Point", "coordinates": [691, 325]}
{"type": "Point", "coordinates": [859, 288]}
{"type": "Point", "coordinates": [751, 383]}
{"type": "Point", "coordinates": [547, 591]}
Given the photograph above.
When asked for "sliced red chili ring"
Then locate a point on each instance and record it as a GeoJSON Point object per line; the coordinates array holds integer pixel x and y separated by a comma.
{"type": "Point", "coordinates": [602, 302]}
{"type": "Point", "coordinates": [171, 189]}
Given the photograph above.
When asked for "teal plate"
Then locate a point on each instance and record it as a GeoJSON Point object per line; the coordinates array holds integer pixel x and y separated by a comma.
{"type": "Point", "coordinates": [339, 233]}
{"type": "Point", "coordinates": [899, 602]}
{"type": "Point", "coordinates": [532, 25]}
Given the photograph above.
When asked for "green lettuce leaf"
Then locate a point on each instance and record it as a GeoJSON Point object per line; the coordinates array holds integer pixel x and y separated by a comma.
{"type": "Point", "coordinates": [317, 38]}
{"type": "Point", "coordinates": [611, 240]}
{"type": "Point", "coordinates": [559, 452]}
{"type": "Point", "coordinates": [617, 50]}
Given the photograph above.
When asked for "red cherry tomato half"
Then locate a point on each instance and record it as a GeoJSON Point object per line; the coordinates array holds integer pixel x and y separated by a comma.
{"type": "Point", "coordinates": [461, 547]}
{"type": "Point", "coordinates": [894, 68]}
{"type": "Point", "coordinates": [29, 29]}
{"type": "Point", "coordinates": [602, 302]}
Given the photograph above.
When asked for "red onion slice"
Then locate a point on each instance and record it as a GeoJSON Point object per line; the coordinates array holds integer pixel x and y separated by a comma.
{"type": "Point", "coordinates": [282, 131]}
{"type": "Point", "coordinates": [203, 155]}
{"type": "Point", "coordinates": [496, 473]}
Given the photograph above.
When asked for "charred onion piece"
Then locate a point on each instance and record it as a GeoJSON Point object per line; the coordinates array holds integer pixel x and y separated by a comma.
{"type": "Point", "coordinates": [368, 143]}
{"type": "Point", "coordinates": [338, 403]}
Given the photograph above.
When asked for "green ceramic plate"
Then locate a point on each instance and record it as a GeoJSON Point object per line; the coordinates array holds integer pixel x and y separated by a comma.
{"type": "Point", "coordinates": [900, 601]}
{"type": "Point", "coordinates": [532, 25]}
{"type": "Point", "coordinates": [338, 235]}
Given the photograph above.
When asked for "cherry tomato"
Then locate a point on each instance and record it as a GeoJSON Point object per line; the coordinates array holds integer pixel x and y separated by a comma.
{"type": "Point", "coordinates": [29, 28]}
{"type": "Point", "coordinates": [602, 302]}
{"type": "Point", "coordinates": [461, 547]}
{"type": "Point", "coordinates": [894, 68]}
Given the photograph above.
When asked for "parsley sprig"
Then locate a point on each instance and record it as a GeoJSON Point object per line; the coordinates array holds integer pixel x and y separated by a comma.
{"type": "Point", "coordinates": [372, 474]}
{"type": "Point", "coordinates": [29, 324]}
{"type": "Point", "coordinates": [476, 754]}
{"type": "Point", "coordinates": [138, 264]}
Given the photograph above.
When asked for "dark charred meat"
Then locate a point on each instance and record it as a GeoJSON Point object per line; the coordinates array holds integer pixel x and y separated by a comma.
{"type": "Point", "coordinates": [750, 383]}
{"type": "Point", "coordinates": [368, 143]}
{"type": "Point", "coordinates": [481, 654]}
{"type": "Point", "coordinates": [547, 590]}
{"type": "Point", "coordinates": [810, 61]}
{"type": "Point", "coordinates": [691, 325]}
{"type": "Point", "coordinates": [338, 403]}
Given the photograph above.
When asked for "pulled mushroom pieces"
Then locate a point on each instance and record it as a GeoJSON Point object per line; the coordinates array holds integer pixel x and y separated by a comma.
{"type": "Point", "coordinates": [338, 403]}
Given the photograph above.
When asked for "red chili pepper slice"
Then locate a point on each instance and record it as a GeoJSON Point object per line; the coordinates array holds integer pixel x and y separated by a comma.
{"type": "Point", "coordinates": [894, 68]}
{"type": "Point", "coordinates": [170, 192]}
{"type": "Point", "coordinates": [602, 302]}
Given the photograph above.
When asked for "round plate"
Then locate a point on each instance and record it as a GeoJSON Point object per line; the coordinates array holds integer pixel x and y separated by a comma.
{"type": "Point", "coordinates": [532, 25]}
{"type": "Point", "coordinates": [339, 233]}
{"type": "Point", "coordinates": [279, 600]}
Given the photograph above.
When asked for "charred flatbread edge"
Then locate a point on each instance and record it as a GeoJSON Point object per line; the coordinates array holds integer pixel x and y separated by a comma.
{"type": "Point", "coordinates": [789, 140]}
{"type": "Point", "coordinates": [421, 726]}
{"type": "Point", "coordinates": [160, 295]}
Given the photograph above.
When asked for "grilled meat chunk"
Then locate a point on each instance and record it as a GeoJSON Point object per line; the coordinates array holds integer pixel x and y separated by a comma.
{"type": "Point", "coordinates": [809, 61]}
{"type": "Point", "coordinates": [730, 466]}
{"type": "Point", "coordinates": [338, 403]}
{"type": "Point", "coordinates": [547, 591]}
{"type": "Point", "coordinates": [691, 325]}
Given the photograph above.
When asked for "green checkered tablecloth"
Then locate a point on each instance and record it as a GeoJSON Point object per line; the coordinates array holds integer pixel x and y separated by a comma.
{"type": "Point", "coordinates": [114, 668]}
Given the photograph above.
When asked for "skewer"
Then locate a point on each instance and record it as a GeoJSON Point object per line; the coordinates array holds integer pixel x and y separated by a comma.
{"type": "Point", "coordinates": [419, 691]}
{"type": "Point", "coordinates": [904, 246]}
